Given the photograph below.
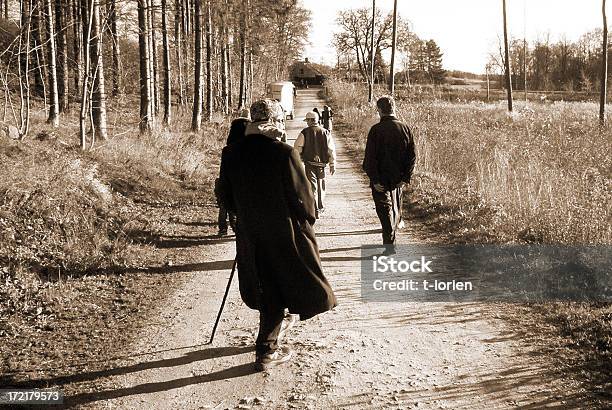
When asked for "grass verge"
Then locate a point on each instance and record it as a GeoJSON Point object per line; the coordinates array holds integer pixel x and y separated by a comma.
{"type": "Point", "coordinates": [82, 261]}
{"type": "Point", "coordinates": [542, 175]}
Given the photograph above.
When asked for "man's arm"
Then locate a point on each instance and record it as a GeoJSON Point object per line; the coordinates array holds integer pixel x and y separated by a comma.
{"type": "Point", "coordinates": [297, 189]}
{"type": "Point", "coordinates": [225, 187]}
{"type": "Point", "coordinates": [370, 159]}
{"type": "Point", "coordinates": [298, 145]}
{"type": "Point", "coordinates": [410, 159]}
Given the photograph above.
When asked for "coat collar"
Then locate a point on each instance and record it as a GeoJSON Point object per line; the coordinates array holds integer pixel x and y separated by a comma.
{"type": "Point", "coordinates": [263, 128]}
{"type": "Point", "coordinates": [388, 117]}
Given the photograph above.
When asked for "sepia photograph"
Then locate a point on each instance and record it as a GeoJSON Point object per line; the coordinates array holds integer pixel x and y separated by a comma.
{"type": "Point", "coordinates": [305, 204]}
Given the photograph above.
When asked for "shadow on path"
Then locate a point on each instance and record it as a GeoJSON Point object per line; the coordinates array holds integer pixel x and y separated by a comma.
{"type": "Point", "coordinates": [230, 373]}
{"type": "Point", "coordinates": [186, 358]}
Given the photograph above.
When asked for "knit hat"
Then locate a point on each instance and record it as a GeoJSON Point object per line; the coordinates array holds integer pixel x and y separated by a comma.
{"type": "Point", "coordinates": [263, 110]}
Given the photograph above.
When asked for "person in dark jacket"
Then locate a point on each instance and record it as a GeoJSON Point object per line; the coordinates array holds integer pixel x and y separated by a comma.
{"type": "Point", "coordinates": [389, 162]}
{"type": "Point", "coordinates": [263, 181]}
{"type": "Point", "coordinates": [326, 118]}
{"type": "Point", "coordinates": [236, 133]}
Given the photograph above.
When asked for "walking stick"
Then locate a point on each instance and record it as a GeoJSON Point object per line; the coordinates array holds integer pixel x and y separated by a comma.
{"type": "Point", "coordinates": [229, 283]}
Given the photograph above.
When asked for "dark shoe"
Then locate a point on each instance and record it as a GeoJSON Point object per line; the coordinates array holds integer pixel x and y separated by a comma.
{"type": "Point", "coordinates": [273, 358]}
{"type": "Point", "coordinates": [222, 232]}
{"type": "Point", "coordinates": [389, 250]}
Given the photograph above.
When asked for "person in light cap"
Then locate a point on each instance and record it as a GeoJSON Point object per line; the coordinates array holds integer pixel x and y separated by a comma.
{"type": "Point", "coordinates": [317, 150]}
{"type": "Point", "coordinates": [279, 266]}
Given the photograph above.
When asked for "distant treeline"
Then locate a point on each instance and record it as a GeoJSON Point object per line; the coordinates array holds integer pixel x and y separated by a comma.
{"type": "Point", "coordinates": [561, 65]}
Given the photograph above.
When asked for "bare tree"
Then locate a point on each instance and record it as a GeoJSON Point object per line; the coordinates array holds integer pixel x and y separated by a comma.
{"type": "Point", "coordinates": [62, 13]}
{"type": "Point", "coordinates": [178, 46]}
{"type": "Point", "coordinates": [52, 69]}
{"type": "Point", "coordinates": [209, 77]}
{"type": "Point", "coordinates": [145, 84]}
{"type": "Point", "coordinates": [24, 66]}
{"type": "Point", "coordinates": [604, 67]}
{"type": "Point", "coordinates": [37, 55]}
{"type": "Point", "coordinates": [116, 52]}
{"type": "Point", "coordinates": [98, 96]}
{"type": "Point", "coordinates": [243, 55]}
{"type": "Point", "coordinates": [196, 119]}
{"type": "Point", "coordinates": [166, 63]}
{"type": "Point", "coordinates": [152, 59]}
{"type": "Point", "coordinates": [87, 17]}
{"type": "Point", "coordinates": [77, 35]}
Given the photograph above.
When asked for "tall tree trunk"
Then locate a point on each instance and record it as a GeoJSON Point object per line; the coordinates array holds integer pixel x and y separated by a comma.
{"type": "Point", "coordinates": [62, 13]}
{"type": "Point", "coordinates": [52, 69]}
{"type": "Point", "coordinates": [230, 88]}
{"type": "Point", "coordinates": [77, 43]}
{"type": "Point", "coordinates": [99, 95]}
{"type": "Point", "coordinates": [250, 77]}
{"type": "Point", "coordinates": [24, 66]}
{"type": "Point", "coordinates": [154, 66]}
{"type": "Point", "coordinates": [243, 57]}
{"type": "Point", "coordinates": [371, 78]}
{"type": "Point", "coordinates": [196, 119]}
{"type": "Point", "coordinates": [393, 46]}
{"type": "Point", "coordinates": [38, 60]}
{"type": "Point", "coordinates": [178, 40]}
{"type": "Point", "coordinates": [224, 47]}
{"type": "Point", "coordinates": [143, 47]}
{"type": "Point", "coordinates": [166, 61]}
{"type": "Point", "coordinates": [86, 16]}
{"type": "Point", "coordinates": [209, 77]}
{"type": "Point", "coordinates": [116, 70]}
{"type": "Point", "coordinates": [507, 60]}
{"type": "Point", "coordinates": [151, 75]}
{"type": "Point", "coordinates": [604, 67]}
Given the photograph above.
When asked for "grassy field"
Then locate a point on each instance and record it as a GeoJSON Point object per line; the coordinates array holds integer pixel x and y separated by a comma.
{"type": "Point", "coordinates": [540, 175]}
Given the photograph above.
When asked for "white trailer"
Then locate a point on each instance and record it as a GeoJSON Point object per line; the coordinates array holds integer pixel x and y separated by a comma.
{"type": "Point", "coordinates": [283, 91]}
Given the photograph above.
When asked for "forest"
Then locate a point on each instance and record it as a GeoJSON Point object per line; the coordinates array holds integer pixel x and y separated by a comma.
{"type": "Point", "coordinates": [81, 57]}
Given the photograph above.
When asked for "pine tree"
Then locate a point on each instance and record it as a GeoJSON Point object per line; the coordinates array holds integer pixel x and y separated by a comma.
{"type": "Point", "coordinates": [434, 62]}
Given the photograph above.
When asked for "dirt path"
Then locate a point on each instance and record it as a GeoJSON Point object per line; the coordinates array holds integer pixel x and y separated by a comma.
{"type": "Point", "coordinates": [361, 355]}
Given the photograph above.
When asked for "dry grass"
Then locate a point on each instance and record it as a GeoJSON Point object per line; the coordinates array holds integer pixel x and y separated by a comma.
{"type": "Point", "coordinates": [72, 225]}
{"type": "Point", "coordinates": [543, 173]}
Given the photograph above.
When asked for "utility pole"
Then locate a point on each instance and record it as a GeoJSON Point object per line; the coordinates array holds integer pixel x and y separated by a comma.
{"type": "Point", "coordinates": [507, 58]}
{"type": "Point", "coordinates": [371, 85]}
{"type": "Point", "coordinates": [393, 44]}
{"type": "Point", "coordinates": [487, 68]}
{"type": "Point", "coordinates": [525, 49]}
{"type": "Point", "coordinates": [604, 67]}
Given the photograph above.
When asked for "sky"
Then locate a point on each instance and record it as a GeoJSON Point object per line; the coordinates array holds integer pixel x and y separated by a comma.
{"type": "Point", "coordinates": [466, 31]}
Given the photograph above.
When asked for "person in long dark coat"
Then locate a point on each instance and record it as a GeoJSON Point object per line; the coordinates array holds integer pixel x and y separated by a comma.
{"type": "Point", "coordinates": [236, 133]}
{"type": "Point", "coordinates": [263, 181]}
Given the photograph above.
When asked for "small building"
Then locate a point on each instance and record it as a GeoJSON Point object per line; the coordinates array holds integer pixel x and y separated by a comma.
{"type": "Point", "coordinates": [305, 73]}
